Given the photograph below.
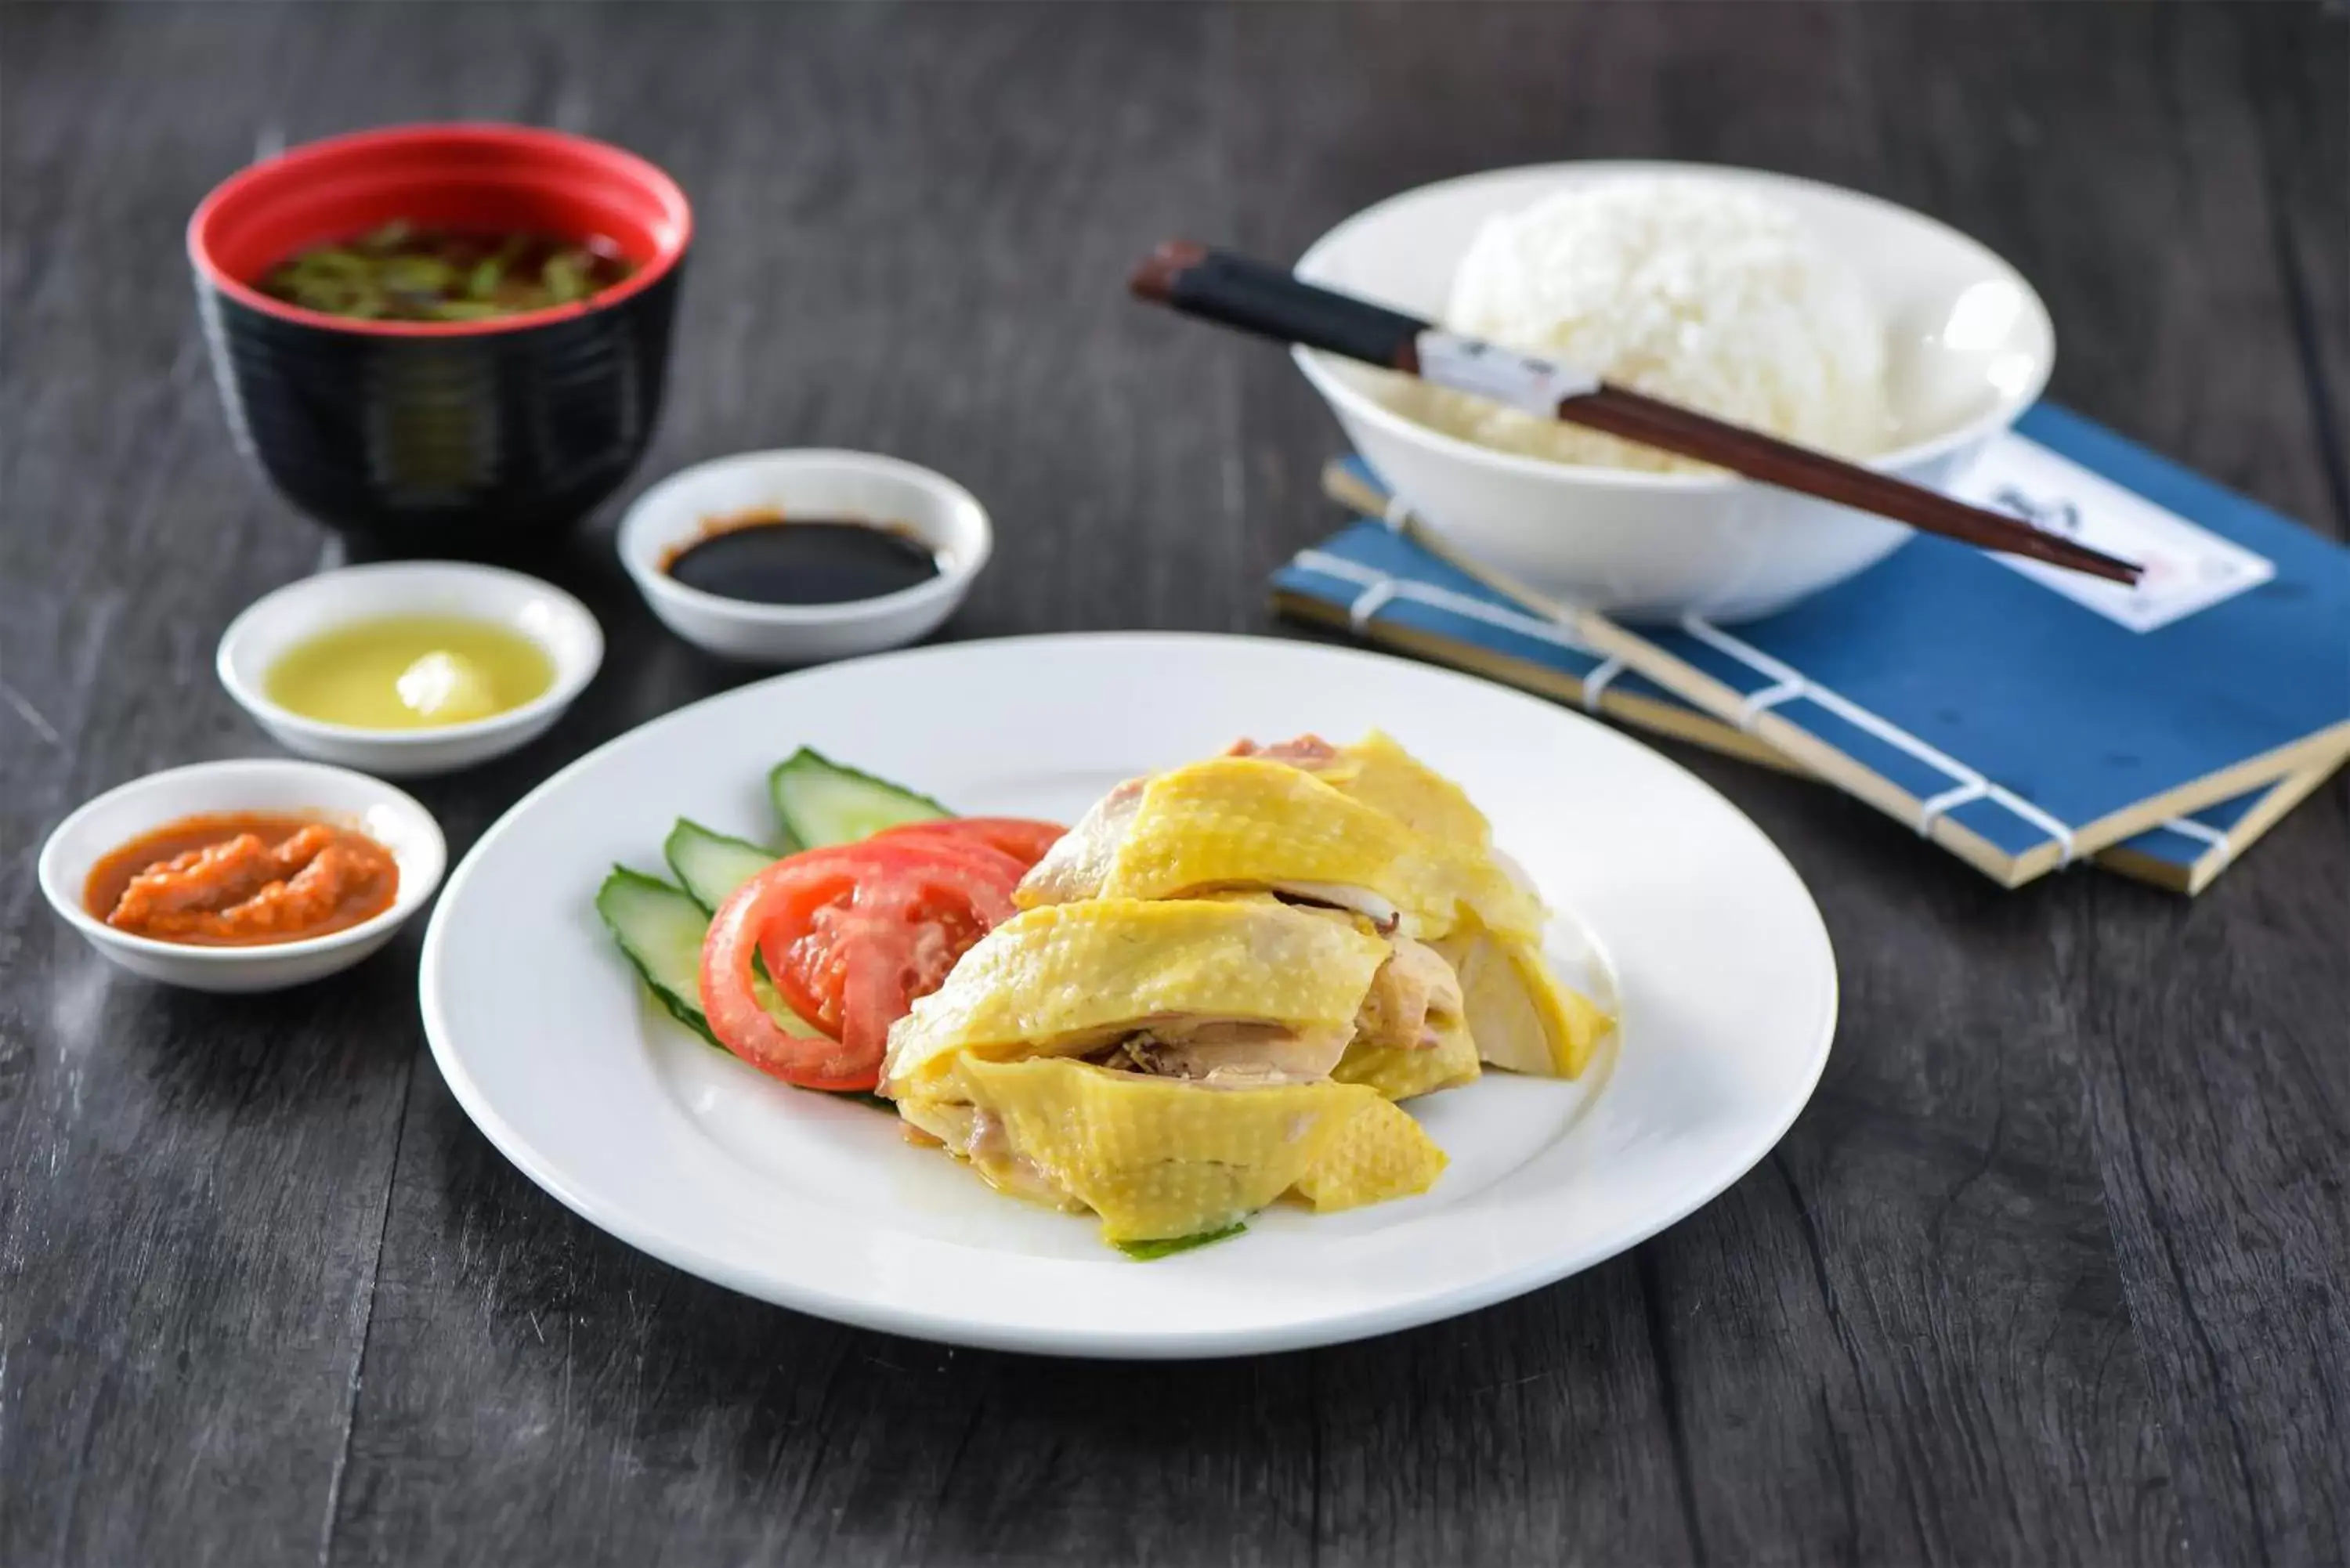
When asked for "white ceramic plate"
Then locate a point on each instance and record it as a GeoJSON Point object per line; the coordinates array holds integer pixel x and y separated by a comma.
{"type": "Point", "coordinates": [1724, 971]}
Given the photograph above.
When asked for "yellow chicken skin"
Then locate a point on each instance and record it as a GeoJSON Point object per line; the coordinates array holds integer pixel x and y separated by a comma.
{"type": "Point", "coordinates": [1381, 1152]}
{"type": "Point", "coordinates": [1220, 982]}
{"type": "Point", "coordinates": [1069, 979]}
{"type": "Point", "coordinates": [1153, 1136]}
{"type": "Point", "coordinates": [1253, 822]}
{"type": "Point", "coordinates": [1367, 827]}
{"type": "Point", "coordinates": [1402, 1073]}
{"type": "Point", "coordinates": [1523, 1020]}
{"type": "Point", "coordinates": [1159, 1158]}
{"type": "Point", "coordinates": [1380, 773]}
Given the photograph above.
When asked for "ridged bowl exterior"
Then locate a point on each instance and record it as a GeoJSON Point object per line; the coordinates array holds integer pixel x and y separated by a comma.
{"type": "Point", "coordinates": [455, 444]}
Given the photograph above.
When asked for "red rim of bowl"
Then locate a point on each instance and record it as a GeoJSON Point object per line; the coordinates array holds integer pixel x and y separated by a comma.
{"type": "Point", "coordinates": [670, 239]}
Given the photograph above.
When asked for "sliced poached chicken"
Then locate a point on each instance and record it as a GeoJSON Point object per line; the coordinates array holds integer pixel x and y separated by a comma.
{"type": "Point", "coordinates": [1488, 941]}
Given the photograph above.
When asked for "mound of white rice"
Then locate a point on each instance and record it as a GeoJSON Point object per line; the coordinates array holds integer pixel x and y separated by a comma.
{"type": "Point", "coordinates": [1686, 288]}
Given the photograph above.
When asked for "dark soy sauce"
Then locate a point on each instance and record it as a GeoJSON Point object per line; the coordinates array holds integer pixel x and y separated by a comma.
{"type": "Point", "coordinates": [765, 558]}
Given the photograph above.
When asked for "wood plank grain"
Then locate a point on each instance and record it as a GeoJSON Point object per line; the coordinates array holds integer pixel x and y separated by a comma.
{"type": "Point", "coordinates": [2292, 61]}
{"type": "Point", "coordinates": [191, 1189]}
{"type": "Point", "coordinates": [538, 1392]}
{"type": "Point", "coordinates": [926, 260]}
{"type": "Point", "coordinates": [2210, 1035]}
{"type": "Point", "coordinates": [2218, 1081]}
{"type": "Point", "coordinates": [1903, 1338]}
{"type": "Point", "coordinates": [2051, 1270]}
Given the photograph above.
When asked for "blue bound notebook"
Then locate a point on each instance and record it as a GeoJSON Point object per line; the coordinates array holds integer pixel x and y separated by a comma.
{"type": "Point", "coordinates": [2017, 721]}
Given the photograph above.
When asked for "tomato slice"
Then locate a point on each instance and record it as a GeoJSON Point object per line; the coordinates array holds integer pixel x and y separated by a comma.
{"type": "Point", "coordinates": [850, 936]}
{"type": "Point", "coordinates": [1022, 838]}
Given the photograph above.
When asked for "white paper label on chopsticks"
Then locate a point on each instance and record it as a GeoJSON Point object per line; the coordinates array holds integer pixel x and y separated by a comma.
{"type": "Point", "coordinates": [1505, 375]}
{"type": "Point", "coordinates": [2188, 568]}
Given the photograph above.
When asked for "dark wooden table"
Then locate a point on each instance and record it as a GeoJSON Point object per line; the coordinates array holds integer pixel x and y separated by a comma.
{"type": "Point", "coordinates": [2052, 1268]}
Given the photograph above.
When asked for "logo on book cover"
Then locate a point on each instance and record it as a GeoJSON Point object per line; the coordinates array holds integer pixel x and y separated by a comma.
{"type": "Point", "coordinates": [2189, 568]}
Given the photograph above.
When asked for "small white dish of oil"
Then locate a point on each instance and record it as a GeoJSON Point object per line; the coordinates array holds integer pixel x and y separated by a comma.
{"type": "Point", "coordinates": [411, 667]}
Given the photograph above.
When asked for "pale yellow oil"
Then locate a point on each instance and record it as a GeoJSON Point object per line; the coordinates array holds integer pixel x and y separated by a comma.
{"type": "Point", "coordinates": [410, 672]}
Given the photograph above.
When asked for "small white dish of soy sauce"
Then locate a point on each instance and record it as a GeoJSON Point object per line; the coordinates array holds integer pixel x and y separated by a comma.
{"type": "Point", "coordinates": [799, 556]}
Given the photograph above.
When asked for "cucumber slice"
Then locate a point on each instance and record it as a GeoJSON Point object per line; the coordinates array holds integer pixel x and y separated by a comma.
{"type": "Point", "coordinates": [711, 864]}
{"type": "Point", "coordinates": [1147, 1251]}
{"type": "Point", "coordinates": [660, 929]}
{"type": "Point", "coordinates": [822, 803]}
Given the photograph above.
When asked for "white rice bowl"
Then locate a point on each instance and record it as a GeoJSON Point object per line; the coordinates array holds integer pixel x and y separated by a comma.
{"type": "Point", "coordinates": [1690, 289]}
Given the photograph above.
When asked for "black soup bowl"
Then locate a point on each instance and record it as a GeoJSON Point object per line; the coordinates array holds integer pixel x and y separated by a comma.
{"type": "Point", "coordinates": [477, 437]}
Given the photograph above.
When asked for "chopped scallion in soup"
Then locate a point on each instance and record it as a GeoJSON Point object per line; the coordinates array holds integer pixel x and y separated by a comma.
{"type": "Point", "coordinates": [407, 271]}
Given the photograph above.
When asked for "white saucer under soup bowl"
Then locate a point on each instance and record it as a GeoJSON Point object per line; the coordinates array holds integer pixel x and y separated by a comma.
{"type": "Point", "coordinates": [279, 622]}
{"type": "Point", "coordinates": [852, 486]}
{"type": "Point", "coordinates": [1968, 347]}
{"type": "Point", "coordinates": [388, 816]}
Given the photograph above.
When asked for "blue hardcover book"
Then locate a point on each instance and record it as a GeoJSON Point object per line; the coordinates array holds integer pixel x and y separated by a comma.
{"type": "Point", "coordinates": [1375, 581]}
{"type": "Point", "coordinates": [2019, 716]}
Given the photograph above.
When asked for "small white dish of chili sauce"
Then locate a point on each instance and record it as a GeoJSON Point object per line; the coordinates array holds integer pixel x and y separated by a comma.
{"type": "Point", "coordinates": [796, 557]}
{"type": "Point", "coordinates": [243, 876]}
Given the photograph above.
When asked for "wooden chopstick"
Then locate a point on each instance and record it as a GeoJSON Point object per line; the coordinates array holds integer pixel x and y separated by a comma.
{"type": "Point", "coordinates": [1255, 297]}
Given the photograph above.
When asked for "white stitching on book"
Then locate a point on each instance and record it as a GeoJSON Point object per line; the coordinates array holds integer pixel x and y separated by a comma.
{"type": "Point", "coordinates": [1892, 735]}
{"type": "Point", "coordinates": [2187, 826]}
{"type": "Point", "coordinates": [1366, 604]}
{"type": "Point", "coordinates": [1949, 800]}
{"type": "Point", "coordinates": [1767, 698]}
{"type": "Point", "coordinates": [1595, 685]}
{"type": "Point", "coordinates": [1435, 597]}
